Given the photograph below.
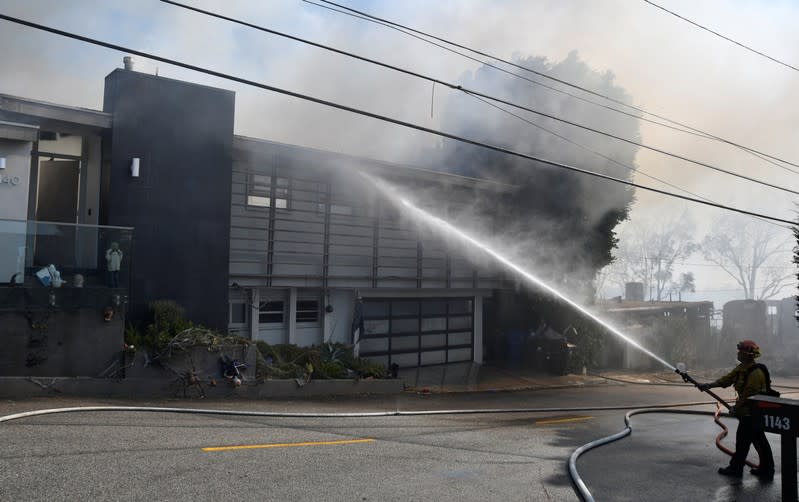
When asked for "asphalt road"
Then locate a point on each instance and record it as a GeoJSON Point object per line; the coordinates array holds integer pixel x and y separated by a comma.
{"type": "Point", "coordinates": [521, 456]}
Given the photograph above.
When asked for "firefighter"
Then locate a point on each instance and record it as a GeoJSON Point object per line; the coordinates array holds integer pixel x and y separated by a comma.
{"type": "Point", "coordinates": [748, 379]}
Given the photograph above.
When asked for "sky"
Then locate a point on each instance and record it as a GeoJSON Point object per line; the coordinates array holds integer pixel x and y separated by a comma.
{"type": "Point", "coordinates": [666, 65]}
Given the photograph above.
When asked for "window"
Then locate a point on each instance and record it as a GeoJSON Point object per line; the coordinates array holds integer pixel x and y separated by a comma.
{"type": "Point", "coordinates": [341, 209]}
{"type": "Point", "coordinates": [259, 191]}
{"type": "Point", "coordinates": [307, 310]}
{"type": "Point", "coordinates": [322, 198]}
{"type": "Point", "coordinates": [258, 201]}
{"type": "Point", "coordinates": [270, 312]}
{"type": "Point", "coordinates": [259, 188]}
{"type": "Point", "coordinates": [238, 313]}
{"type": "Point", "coordinates": [282, 186]}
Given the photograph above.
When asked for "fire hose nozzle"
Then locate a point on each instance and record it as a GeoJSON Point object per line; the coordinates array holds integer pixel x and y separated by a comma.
{"type": "Point", "coordinates": [686, 377]}
{"type": "Point", "coordinates": [689, 379]}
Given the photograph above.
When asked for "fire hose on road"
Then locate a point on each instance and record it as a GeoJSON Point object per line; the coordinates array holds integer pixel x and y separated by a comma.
{"type": "Point", "coordinates": [579, 485]}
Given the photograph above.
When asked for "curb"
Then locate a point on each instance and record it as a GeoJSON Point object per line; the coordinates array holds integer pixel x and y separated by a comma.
{"type": "Point", "coordinates": [31, 387]}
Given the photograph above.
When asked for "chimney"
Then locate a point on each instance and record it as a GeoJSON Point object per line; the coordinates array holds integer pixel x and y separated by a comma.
{"type": "Point", "coordinates": [127, 61]}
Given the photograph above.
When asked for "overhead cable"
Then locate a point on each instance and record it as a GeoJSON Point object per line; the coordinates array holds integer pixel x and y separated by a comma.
{"type": "Point", "coordinates": [739, 44]}
{"type": "Point", "coordinates": [376, 116]}
{"type": "Point", "coordinates": [343, 9]}
{"type": "Point", "coordinates": [636, 116]}
{"type": "Point", "coordinates": [483, 95]}
{"type": "Point", "coordinates": [609, 159]}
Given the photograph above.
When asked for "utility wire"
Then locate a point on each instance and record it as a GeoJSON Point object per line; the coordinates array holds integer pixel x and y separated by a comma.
{"type": "Point", "coordinates": [630, 168]}
{"type": "Point", "coordinates": [636, 116]}
{"type": "Point", "coordinates": [739, 44]}
{"type": "Point", "coordinates": [376, 116]}
{"type": "Point", "coordinates": [476, 93]}
{"type": "Point", "coordinates": [410, 31]}
{"type": "Point", "coordinates": [687, 264]}
{"type": "Point", "coordinates": [569, 94]}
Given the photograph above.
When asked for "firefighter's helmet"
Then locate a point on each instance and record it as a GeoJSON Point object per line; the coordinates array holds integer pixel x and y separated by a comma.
{"type": "Point", "coordinates": [749, 347]}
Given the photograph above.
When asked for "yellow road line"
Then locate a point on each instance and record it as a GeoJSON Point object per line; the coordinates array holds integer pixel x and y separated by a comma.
{"type": "Point", "coordinates": [561, 420]}
{"type": "Point", "coordinates": [286, 445]}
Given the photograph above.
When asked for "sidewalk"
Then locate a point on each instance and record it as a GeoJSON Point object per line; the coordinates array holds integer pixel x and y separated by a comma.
{"type": "Point", "coordinates": [469, 377]}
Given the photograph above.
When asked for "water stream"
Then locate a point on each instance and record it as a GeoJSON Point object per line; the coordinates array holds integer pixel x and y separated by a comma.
{"type": "Point", "coordinates": [450, 230]}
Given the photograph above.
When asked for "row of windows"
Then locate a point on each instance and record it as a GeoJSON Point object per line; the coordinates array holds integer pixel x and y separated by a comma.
{"type": "Point", "coordinates": [259, 191]}
{"type": "Point", "coordinates": [259, 195]}
{"type": "Point", "coordinates": [274, 311]}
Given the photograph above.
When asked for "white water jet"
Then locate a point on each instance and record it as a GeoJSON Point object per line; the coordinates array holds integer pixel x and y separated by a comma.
{"type": "Point", "coordinates": [450, 230]}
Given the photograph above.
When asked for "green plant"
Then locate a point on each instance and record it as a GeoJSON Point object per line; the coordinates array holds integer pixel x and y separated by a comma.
{"type": "Point", "coordinates": [167, 320]}
{"type": "Point", "coordinates": [330, 360]}
{"type": "Point", "coordinates": [367, 369]}
{"type": "Point", "coordinates": [330, 370]}
{"type": "Point", "coordinates": [133, 336]}
{"type": "Point", "coordinates": [588, 338]}
{"type": "Point", "coordinates": [335, 353]}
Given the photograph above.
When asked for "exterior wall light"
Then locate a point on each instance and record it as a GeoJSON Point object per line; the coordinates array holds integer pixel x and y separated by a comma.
{"type": "Point", "coordinates": [2, 162]}
{"type": "Point", "coordinates": [134, 167]}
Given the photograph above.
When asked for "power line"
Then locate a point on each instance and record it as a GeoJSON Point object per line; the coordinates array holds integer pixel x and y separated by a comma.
{"type": "Point", "coordinates": [376, 116]}
{"type": "Point", "coordinates": [632, 169]}
{"type": "Point", "coordinates": [688, 264]}
{"type": "Point", "coordinates": [349, 11]}
{"type": "Point", "coordinates": [722, 36]}
{"type": "Point", "coordinates": [504, 70]}
{"type": "Point", "coordinates": [477, 93]}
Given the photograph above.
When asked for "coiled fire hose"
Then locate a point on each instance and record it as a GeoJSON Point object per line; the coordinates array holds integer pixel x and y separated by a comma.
{"type": "Point", "coordinates": [579, 484]}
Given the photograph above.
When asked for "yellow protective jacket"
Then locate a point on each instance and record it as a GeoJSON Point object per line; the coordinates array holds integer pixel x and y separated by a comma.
{"type": "Point", "coordinates": [744, 388]}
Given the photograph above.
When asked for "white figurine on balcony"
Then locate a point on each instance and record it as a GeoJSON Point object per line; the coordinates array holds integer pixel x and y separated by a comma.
{"type": "Point", "coordinates": [113, 257]}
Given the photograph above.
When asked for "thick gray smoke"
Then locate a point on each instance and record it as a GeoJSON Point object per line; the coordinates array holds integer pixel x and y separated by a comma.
{"type": "Point", "coordinates": [561, 221]}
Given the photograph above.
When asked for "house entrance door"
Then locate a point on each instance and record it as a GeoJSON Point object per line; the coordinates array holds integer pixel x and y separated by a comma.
{"type": "Point", "coordinates": [57, 201]}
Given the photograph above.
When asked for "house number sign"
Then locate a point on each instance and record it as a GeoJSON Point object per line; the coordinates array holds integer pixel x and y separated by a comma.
{"type": "Point", "coordinates": [9, 180]}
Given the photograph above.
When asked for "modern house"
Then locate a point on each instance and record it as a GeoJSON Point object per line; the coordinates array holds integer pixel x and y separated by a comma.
{"type": "Point", "coordinates": [270, 241]}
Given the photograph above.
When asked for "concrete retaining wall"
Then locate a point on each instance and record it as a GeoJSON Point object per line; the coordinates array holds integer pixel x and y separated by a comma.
{"type": "Point", "coordinates": [59, 342]}
{"type": "Point", "coordinates": [153, 388]}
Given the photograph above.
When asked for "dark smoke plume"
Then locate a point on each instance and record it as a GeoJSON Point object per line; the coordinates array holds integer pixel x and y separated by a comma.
{"type": "Point", "coordinates": [566, 219]}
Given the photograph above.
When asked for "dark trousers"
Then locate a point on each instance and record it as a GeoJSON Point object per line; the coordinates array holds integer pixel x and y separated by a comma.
{"type": "Point", "coordinates": [113, 278]}
{"type": "Point", "coordinates": [751, 433]}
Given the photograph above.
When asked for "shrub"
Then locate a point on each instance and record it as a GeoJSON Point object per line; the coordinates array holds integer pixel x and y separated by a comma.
{"type": "Point", "coordinates": [329, 360]}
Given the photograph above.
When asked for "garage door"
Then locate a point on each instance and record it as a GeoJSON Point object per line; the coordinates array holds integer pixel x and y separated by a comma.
{"type": "Point", "coordinates": [419, 331]}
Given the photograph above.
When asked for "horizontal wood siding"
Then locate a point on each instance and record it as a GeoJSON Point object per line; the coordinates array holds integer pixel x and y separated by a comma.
{"type": "Point", "coordinates": [368, 242]}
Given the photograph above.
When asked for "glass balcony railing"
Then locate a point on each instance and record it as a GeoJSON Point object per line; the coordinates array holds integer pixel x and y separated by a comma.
{"type": "Point", "coordinates": [56, 256]}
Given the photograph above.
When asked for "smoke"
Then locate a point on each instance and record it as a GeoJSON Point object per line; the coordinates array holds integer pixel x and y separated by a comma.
{"type": "Point", "coordinates": [562, 222]}
{"type": "Point", "coordinates": [664, 64]}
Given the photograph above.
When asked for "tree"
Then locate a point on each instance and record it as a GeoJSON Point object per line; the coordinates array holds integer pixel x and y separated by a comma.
{"type": "Point", "coordinates": [750, 252]}
{"type": "Point", "coordinates": [648, 252]}
{"type": "Point", "coordinates": [560, 221]}
{"type": "Point", "coordinates": [686, 283]}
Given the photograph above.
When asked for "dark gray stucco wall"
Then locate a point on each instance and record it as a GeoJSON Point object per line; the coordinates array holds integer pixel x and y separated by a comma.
{"type": "Point", "coordinates": [69, 339]}
{"type": "Point", "coordinates": [180, 203]}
